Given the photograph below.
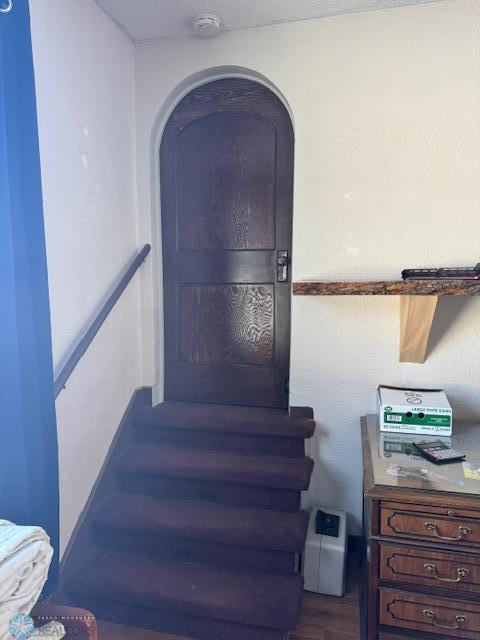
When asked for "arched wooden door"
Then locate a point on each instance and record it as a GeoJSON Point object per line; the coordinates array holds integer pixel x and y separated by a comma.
{"type": "Point", "coordinates": [226, 163]}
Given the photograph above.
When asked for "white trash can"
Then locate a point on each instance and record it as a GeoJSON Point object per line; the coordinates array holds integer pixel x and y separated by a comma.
{"type": "Point", "coordinates": [324, 558]}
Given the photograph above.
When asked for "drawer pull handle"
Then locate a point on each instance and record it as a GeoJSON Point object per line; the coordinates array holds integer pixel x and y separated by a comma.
{"type": "Point", "coordinates": [461, 573]}
{"type": "Point", "coordinates": [462, 532]}
{"type": "Point", "coordinates": [459, 620]}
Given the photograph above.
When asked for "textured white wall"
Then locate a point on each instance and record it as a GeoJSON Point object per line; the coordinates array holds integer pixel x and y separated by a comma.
{"type": "Point", "coordinates": [386, 109]}
{"type": "Point", "coordinates": [84, 77]}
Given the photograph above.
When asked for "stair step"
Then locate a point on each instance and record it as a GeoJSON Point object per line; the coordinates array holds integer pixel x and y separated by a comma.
{"type": "Point", "coordinates": [171, 623]}
{"type": "Point", "coordinates": [238, 495]}
{"type": "Point", "coordinates": [226, 556]}
{"type": "Point", "coordinates": [226, 441]}
{"type": "Point", "coordinates": [233, 419]}
{"type": "Point", "coordinates": [203, 521]}
{"type": "Point", "coordinates": [192, 589]}
{"type": "Point", "coordinates": [219, 466]}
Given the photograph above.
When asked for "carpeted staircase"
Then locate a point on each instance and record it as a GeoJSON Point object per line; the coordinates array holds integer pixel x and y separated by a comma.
{"type": "Point", "coordinates": [197, 530]}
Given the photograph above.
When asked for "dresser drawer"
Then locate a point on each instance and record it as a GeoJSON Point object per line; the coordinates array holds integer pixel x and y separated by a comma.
{"type": "Point", "coordinates": [403, 523]}
{"type": "Point", "coordinates": [424, 613]}
{"type": "Point", "coordinates": [431, 568]}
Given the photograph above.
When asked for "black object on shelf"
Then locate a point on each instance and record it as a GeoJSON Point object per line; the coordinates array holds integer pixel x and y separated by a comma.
{"type": "Point", "coordinates": [458, 273]}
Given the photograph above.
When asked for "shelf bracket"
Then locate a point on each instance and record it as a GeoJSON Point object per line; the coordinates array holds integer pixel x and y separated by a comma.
{"type": "Point", "coordinates": [416, 318]}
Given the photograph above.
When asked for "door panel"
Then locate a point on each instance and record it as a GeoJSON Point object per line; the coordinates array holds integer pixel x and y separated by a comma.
{"type": "Point", "coordinates": [226, 182]}
{"type": "Point", "coordinates": [226, 324]}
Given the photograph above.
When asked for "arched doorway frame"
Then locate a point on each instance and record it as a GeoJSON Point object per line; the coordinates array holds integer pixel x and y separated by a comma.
{"type": "Point", "coordinates": [174, 97]}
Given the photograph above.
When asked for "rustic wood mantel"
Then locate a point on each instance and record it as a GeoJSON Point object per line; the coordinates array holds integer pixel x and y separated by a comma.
{"type": "Point", "coordinates": [387, 288]}
{"type": "Point", "coordinates": [417, 303]}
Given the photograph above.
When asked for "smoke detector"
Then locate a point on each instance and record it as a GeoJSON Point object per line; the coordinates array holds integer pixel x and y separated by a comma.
{"type": "Point", "coordinates": [207, 25]}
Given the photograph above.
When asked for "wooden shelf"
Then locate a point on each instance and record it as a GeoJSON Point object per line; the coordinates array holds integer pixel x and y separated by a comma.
{"type": "Point", "coordinates": [418, 303]}
{"type": "Point", "coordinates": [387, 288]}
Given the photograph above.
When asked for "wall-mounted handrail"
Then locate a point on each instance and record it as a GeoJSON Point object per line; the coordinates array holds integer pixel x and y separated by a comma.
{"type": "Point", "coordinates": [86, 338]}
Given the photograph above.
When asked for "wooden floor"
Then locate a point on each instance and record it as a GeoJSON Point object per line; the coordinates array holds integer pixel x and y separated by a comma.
{"type": "Point", "coordinates": [323, 618]}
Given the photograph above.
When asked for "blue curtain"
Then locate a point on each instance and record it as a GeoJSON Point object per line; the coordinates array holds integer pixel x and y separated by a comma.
{"type": "Point", "coordinates": [28, 435]}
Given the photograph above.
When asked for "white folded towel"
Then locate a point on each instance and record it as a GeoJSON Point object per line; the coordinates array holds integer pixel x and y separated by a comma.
{"type": "Point", "coordinates": [25, 556]}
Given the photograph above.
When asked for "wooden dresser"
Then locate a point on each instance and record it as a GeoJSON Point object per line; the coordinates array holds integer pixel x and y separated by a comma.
{"type": "Point", "coordinates": [422, 532]}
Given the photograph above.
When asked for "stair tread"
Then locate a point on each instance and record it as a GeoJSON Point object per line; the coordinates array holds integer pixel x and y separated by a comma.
{"type": "Point", "coordinates": [230, 418]}
{"type": "Point", "coordinates": [216, 465]}
{"type": "Point", "coordinates": [243, 526]}
{"type": "Point", "coordinates": [193, 589]}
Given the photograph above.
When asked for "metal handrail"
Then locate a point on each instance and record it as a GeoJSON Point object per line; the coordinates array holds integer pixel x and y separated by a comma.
{"type": "Point", "coordinates": [86, 338]}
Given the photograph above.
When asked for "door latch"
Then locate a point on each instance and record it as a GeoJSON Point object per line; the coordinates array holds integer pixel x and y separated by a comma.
{"type": "Point", "coordinates": [283, 262]}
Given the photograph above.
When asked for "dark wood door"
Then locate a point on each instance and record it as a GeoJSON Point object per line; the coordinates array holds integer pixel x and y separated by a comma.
{"type": "Point", "coordinates": [226, 163]}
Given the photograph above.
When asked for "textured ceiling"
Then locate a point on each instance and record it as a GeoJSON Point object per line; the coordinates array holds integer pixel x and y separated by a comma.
{"type": "Point", "coordinates": [150, 19]}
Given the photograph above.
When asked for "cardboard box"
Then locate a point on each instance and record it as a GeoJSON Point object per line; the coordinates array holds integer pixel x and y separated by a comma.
{"type": "Point", "coordinates": [419, 411]}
